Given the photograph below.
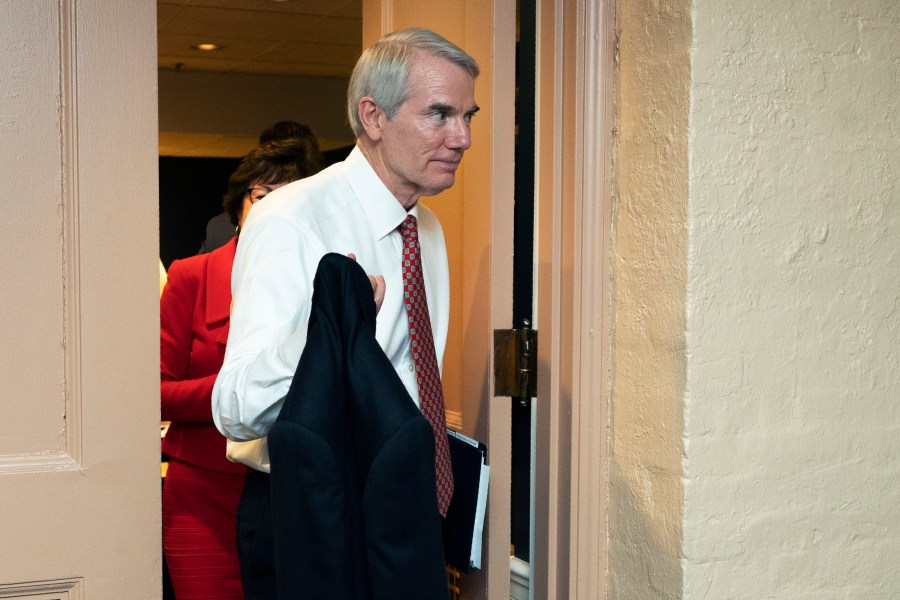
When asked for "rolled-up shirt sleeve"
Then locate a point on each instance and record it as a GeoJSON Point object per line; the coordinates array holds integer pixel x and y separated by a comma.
{"type": "Point", "coordinates": [271, 296]}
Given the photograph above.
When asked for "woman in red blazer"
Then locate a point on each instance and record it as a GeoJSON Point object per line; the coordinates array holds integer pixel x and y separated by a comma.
{"type": "Point", "coordinates": [202, 488]}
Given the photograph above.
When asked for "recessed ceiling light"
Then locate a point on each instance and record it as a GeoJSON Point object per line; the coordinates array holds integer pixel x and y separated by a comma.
{"type": "Point", "coordinates": [207, 47]}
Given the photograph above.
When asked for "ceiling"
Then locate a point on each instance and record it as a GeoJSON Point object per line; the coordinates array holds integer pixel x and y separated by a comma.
{"type": "Point", "coordinates": [311, 38]}
{"type": "Point", "coordinates": [285, 37]}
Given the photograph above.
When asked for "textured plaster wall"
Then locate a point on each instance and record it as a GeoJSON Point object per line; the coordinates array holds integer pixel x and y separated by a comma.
{"type": "Point", "coordinates": [649, 281]}
{"type": "Point", "coordinates": [792, 403]}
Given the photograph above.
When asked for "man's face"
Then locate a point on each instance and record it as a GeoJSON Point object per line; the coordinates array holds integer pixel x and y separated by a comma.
{"type": "Point", "coordinates": [424, 142]}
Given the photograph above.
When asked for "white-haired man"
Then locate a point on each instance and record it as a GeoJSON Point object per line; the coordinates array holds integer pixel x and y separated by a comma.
{"type": "Point", "coordinates": [410, 104]}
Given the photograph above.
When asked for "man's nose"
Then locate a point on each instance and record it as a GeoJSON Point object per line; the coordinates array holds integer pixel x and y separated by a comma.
{"type": "Point", "coordinates": [460, 138]}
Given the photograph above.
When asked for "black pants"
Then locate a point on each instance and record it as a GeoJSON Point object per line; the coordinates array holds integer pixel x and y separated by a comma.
{"type": "Point", "coordinates": [255, 546]}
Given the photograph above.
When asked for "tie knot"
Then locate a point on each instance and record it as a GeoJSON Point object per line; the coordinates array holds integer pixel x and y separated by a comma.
{"type": "Point", "coordinates": [408, 229]}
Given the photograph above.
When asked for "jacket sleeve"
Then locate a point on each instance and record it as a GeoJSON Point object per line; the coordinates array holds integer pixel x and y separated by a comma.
{"type": "Point", "coordinates": [182, 398]}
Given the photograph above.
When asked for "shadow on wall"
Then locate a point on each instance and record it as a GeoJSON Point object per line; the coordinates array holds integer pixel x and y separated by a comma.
{"type": "Point", "coordinates": [640, 566]}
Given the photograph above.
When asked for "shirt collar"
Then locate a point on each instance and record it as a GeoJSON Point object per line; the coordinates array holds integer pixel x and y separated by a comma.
{"type": "Point", "coordinates": [384, 212]}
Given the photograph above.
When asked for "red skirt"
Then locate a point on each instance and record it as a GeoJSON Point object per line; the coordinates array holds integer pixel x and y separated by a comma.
{"type": "Point", "coordinates": [199, 511]}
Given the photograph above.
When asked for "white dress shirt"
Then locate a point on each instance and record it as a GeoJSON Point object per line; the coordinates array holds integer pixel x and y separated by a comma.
{"type": "Point", "coordinates": [345, 209]}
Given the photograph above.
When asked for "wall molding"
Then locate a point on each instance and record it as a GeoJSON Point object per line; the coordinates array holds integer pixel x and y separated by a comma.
{"type": "Point", "coordinates": [60, 589]}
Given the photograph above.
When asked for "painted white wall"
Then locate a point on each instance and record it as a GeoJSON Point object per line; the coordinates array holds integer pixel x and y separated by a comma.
{"type": "Point", "coordinates": [792, 419]}
{"type": "Point", "coordinates": [756, 348]}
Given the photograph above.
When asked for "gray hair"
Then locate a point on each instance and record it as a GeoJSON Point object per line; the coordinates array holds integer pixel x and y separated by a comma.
{"type": "Point", "coordinates": [383, 70]}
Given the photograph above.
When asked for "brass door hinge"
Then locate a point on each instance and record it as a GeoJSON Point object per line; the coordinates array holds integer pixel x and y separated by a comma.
{"type": "Point", "coordinates": [515, 362]}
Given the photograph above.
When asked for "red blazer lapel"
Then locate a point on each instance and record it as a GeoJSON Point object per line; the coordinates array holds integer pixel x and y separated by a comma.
{"type": "Point", "coordinates": [218, 288]}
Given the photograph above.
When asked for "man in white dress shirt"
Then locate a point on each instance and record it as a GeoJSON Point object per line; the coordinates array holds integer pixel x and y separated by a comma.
{"type": "Point", "coordinates": [410, 104]}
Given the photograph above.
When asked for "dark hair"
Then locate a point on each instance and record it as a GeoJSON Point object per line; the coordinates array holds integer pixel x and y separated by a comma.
{"type": "Point", "coordinates": [285, 130]}
{"type": "Point", "coordinates": [274, 162]}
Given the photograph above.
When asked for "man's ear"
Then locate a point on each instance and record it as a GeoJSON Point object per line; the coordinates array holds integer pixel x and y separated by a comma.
{"type": "Point", "coordinates": [371, 116]}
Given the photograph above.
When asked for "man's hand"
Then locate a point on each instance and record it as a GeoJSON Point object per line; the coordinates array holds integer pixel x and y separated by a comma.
{"type": "Point", "coordinates": [378, 286]}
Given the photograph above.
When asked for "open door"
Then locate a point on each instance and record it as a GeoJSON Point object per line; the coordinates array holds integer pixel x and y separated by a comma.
{"type": "Point", "coordinates": [574, 57]}
{"type": "Point", "coordinates": [477, 216]}
{"type": "Point", "coordinates": [79, 450]}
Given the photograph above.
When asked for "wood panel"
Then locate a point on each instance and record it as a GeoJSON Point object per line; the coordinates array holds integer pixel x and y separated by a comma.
{"type": "Point", "coordinates": [80, 458]}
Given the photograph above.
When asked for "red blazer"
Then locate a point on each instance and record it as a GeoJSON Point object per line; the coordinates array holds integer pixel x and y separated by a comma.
{"type": "Point", "coordinates": [194, 316]}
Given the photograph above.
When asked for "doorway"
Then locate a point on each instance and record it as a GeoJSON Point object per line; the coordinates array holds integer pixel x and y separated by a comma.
{"type": "Point", "coordinates": [571, 311]}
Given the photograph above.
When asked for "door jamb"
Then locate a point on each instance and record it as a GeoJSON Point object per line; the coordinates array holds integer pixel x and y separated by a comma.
{"type": "Point", "coordinates": [576, 55]}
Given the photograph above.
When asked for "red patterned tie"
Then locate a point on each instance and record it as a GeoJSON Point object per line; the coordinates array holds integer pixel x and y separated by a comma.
{"type": "Point", "coordinates": [431, 395]}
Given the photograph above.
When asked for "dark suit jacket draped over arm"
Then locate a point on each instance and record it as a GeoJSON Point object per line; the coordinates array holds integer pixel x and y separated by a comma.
{"type": "Point", "coordinates": [353, 485]}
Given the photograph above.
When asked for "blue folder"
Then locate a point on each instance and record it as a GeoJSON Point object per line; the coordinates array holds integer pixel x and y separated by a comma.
{"type": "Point", "coordinates": [464, 524]}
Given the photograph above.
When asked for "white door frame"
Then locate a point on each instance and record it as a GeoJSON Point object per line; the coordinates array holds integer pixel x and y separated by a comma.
{"type": "Point", "coordinates": [576, 45]}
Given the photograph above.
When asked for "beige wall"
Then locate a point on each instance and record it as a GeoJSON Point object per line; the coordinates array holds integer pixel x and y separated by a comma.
{"type": "Point", "coordinates": [754, 418]}
{"type": "Point", "coordinates": [792, 475]}
{"type": "Point", "coordinates": [649, 271]}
